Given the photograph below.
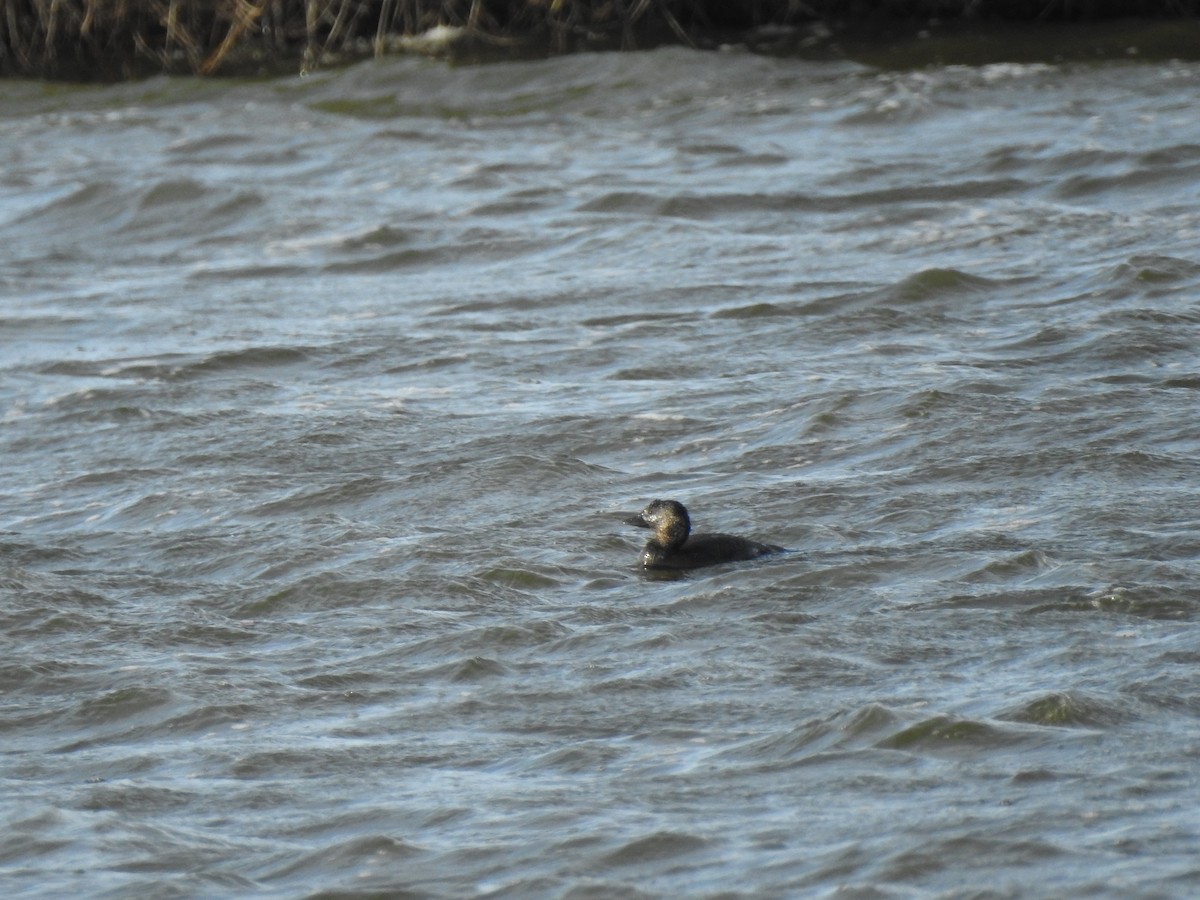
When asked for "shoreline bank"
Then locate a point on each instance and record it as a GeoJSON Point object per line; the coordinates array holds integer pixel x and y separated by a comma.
{"type": "Point", "coordinates": [93, 40]}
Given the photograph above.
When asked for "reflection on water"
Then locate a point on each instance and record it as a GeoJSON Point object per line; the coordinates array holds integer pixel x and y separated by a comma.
{"type": "Point", "coordinates": [323, 398]}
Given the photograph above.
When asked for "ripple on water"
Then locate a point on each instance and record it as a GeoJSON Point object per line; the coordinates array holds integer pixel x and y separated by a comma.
{"type": "Point", "coordinates": [322, 408]}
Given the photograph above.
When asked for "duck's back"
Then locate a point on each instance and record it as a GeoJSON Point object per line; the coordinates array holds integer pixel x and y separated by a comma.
{"type": "Point", "coordinates": [706, 550]}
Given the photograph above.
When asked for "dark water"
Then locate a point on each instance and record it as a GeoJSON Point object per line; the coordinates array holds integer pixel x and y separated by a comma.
{"type": "Point", "coordinates": [322, 401]}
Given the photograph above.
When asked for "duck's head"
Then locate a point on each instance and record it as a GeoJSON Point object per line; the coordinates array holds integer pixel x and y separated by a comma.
{"type": "Point", "coordinates": [668, 518]}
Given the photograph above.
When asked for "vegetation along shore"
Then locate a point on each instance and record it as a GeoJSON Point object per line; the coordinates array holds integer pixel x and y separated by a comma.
{"type": "Point", "coordinates": [114, 39]}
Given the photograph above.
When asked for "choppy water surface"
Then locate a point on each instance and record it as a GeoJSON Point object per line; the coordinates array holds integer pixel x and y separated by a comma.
{"type": "Point", "coordinates": [323, 399]}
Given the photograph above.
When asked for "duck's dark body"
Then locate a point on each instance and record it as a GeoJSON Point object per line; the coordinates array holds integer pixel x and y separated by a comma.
{"type": "Point", "coordinates": [675, 547]}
